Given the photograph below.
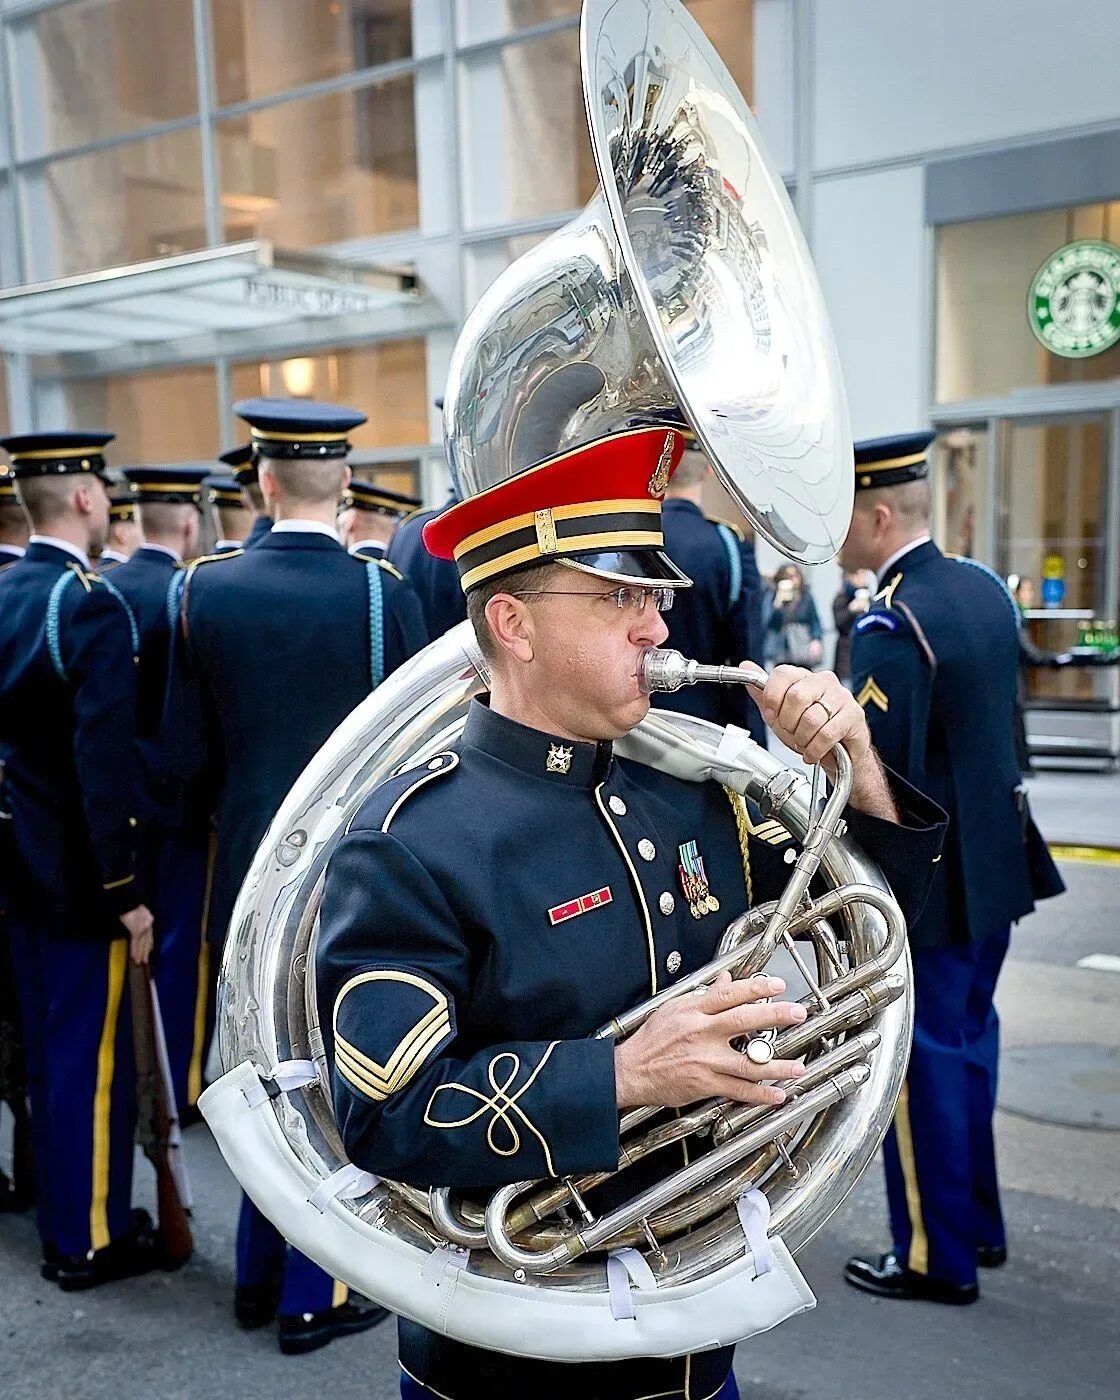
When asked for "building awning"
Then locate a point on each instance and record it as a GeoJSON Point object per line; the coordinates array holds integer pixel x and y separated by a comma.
{"type": "Point", "coordinates": [233, 289]}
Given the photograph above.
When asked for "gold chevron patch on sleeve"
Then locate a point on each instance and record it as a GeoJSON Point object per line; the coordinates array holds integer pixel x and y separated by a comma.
{"type": "Point", "coordinates": [770, 831]}
{"type": "Point", "coordinates": [377, 1081]}
{"type": "Point", "coordinates": [873, 694]}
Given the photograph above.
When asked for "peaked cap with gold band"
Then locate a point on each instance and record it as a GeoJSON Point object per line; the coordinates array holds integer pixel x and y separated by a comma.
{"type": "Point", "coordinates": [242, 462]}
{"type": "Point", "coordinates": [225, 492]}
{"type": "Point", "coordinates": [303, 429]}
{"type": "Point", "coordinates": [367, 495]}
{"type": "Point", "coordinates": [56, 454]}
{"type": "Point", "coordinates": [170, 485]}
{"type": "Point", "coordinates": [889, 461]}
{"type": "Point", "coordinates": [595, 507]}
{"type": "Point", "coordinates": [7, 487]}
{"type": "Point", "coordinates": [122, 506]}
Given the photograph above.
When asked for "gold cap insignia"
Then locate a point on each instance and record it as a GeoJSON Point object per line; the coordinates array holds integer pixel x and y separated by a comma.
{"type": "Point", "coordinates": [660, 478]}
{"type": "Point", "coordinates": [559, 759]}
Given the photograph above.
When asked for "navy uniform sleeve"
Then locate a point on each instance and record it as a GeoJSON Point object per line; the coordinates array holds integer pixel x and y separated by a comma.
{"type": "Point", "coordinates": [406, 632]}
{"type": "Point", "coordinates": [101, 667]}
{"type": "Point", "coordinates": [893, 681]}
{"type": "Point", "coordinates": [743, 642]}
{"type": "Point", "coordinates": [414, 1100]}
{"type": "Point", "coordinates": [187, 739]}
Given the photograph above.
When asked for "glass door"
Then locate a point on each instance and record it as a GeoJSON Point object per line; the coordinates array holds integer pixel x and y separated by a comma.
{"type": "Point", "coordinates": [1052, 513]}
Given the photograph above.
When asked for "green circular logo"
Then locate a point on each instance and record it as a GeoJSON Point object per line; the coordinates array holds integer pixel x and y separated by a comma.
{"type": "Point", "coordinates": [1074, 301]}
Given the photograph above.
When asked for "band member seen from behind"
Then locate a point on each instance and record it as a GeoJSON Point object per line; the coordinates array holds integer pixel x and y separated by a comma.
{"type": "Point", "coordinates": [719, 619]}
{"type": "Point", "coordinates": [935, 665]}
{"type": "Point", "coordinates": [123, 539]}
{"type": "Point", "coordinates": [275, 645]}
{"type": "Point", "coordinates": [488, 910]}
{"type": "Point", "coordinates": [368, 514]}
{"type": "Point", "coordinates": [793, 627]}
{"type": "Point", "coordinates": [14, 528]}
{"type": "Point", "coordinates": [77, 909]}
{"type": "Point", "coordinates": [232, 517]}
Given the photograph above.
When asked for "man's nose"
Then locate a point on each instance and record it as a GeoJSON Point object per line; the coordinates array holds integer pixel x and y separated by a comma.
{"type": "Point", "coordinates": [649, 629]}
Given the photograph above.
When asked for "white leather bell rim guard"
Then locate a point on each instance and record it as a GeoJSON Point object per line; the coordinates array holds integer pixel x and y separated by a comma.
{"type": "Point", "coordinates": [553, 1324]}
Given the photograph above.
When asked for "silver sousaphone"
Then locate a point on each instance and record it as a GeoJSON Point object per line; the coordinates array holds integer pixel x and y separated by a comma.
{"type": "Point", "coordinates": [683, 294]}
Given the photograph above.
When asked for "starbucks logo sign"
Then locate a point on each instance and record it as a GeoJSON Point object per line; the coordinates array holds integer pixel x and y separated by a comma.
{"type": "Point", "coordinates": [1074, 302]}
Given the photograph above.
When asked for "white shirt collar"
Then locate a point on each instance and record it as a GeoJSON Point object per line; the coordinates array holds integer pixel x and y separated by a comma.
{"type": "Point", "coordinates": [163, 549]}
{"type": "Point", "coordinates": [304, 527]}
{"type": "Point", "coordinates": [229, 544]}
{"type": "Point", "coordinates": [65, 545]}
{"type": "Point", "coordinates": [898, 554]}
{"type": "Point", "coordinates": [114, 556]}
{"type": "Point", "coordinates": [16, 549]}
{"type": "Point", "coordinates": [368, 544]}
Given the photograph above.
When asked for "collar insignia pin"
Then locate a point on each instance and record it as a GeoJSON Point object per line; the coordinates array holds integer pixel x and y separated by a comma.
{"type": "Point", "coordinates": [559, 759]}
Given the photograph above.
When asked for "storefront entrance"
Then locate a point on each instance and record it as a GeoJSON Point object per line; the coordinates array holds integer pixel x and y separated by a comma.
{"type": "Point", "coordinates": [1032, 488]}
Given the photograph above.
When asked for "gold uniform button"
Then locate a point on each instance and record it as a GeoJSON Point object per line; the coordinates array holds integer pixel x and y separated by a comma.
{"type": "Point", "coordinates": [617, 806]}
{"type": "Point", "coordinates": [673, 963]}
{"type": "Point", "coordinates": [666, 903]}
{"type": "Point", "coordinates": [646, 849]}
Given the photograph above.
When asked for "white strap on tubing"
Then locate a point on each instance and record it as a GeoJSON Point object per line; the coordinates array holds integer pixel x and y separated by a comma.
{"type": "Point", "coordinates": [343, 1185]}
{"type": "Point", "coordinates": [625, 1267]}
{"type": "Point", "coordinates": [282, 1079]}
{"type": "Point", "coordinates": [447, 1259]}
{"type": "Point", "coordinates": [754, 1216]}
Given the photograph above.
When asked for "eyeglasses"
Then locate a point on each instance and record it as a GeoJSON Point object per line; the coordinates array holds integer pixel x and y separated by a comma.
{"type": "Point", "coordinates": [624, 597]}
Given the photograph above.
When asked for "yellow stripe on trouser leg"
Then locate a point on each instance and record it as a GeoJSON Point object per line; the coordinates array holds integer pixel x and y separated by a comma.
{"type": "Point", "coordinates": [918, 1259]}
{"type": "Point", "coordinates": [103, 1095]}
{"type": "Point", "coordinates": [340, 1295]}
{"type": "Point", "coordinates": [201, 996]}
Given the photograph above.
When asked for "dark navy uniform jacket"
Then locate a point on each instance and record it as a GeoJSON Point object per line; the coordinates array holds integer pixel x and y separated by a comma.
{"type": "Point", "coordinates": [67, 729]}
{"type": "Point", "coordinates": [482, 916]}
{"type": "Point", "coordinates": [275, 647]}
{"type": "Point", "coordinates": [436, 581]}
{"type": "Point", "coordinates": [144, 582]}
{"type": "Point", "coordinates": [260, 530]}
{"type": "Point", "coordinates": [8, 557]}
{"type": "Point", "coordinates": [719, 619]}
{"type": "Point", "coordinates": [935, 664]}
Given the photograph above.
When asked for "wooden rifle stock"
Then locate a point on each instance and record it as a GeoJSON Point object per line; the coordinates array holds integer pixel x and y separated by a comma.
{"type": "Point", "coordinates": [155, 1122]}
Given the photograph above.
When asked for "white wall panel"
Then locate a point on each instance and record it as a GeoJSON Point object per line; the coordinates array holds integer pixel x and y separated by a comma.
{"type": "Point", "coordinates": [773, 79]}
{"type": "Point", "coordinates": [869, 243]}
{"type": "Point", "coordinates": [896, 77]}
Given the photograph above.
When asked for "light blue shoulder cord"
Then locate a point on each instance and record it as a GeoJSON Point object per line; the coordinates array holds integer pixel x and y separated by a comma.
{"type": "Point", "coordinates": [735, 560]}
{"type": "Point", "coordinates": [376, 626]}
{"type": "Point", "coordinates": [991, 573]}
{"type": "Point", "coordinates": [134, 631]}
{"type": "Point", "coordinates": [54, 603]}
{"type": "Point", "coordinates": [175, 597]}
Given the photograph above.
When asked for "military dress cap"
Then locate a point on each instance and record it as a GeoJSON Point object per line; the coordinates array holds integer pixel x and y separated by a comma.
{"type": "Point", "coordinates": [242, 461]}
{"type": "Point", "coordinates": [596, 507]}
{"type": "Point", "coordinates": [367, 495]}
{"type": "Point", "coordinates": [56, 454]}
{"type": "Point", "coordinates": [889, 461]}
{"type": "Point", "coordinates": [298, 428]}
{"type": "Point", "coordinates": [7, 486]}
{"type": "Point", "coordinates": [122, 505]}
{"type": "Point", "coordinates": [170, 485]}
{"type": "Point", "coordinates": [224, 491]}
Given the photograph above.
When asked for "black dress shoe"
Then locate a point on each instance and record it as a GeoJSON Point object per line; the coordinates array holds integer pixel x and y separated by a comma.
{"type": "Point", "coordinates": [132, 1254]}
{"type": "Point", "coordinates": [255, 1304]}
{"type": "Point", "coordinates": [887, 1277]}
{"type": "Point", "coordinates": [191, 1115]}
{"type": "Point", "coordinates": [48, 1265]}
{"type": "Point", "coordinates": [991, 1256]}
{"type": "Point", "coordinates": [310, 1331]}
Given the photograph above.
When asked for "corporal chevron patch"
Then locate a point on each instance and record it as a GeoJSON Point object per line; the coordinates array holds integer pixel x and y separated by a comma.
{"type": "Point", "coordinates": [873, 693]}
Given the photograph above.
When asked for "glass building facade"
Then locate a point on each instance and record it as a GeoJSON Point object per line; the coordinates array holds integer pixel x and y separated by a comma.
{"type": "Point", "coordinates": [440, 136]}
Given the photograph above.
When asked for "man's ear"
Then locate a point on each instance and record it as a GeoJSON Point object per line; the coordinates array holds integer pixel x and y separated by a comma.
{"type": "Point", "coordinates": [82, 498]}
{"type": "Point", "coordinates": [347, 477]}
{"type": "Point", "coordinates": [511, 626]}
{"type": "Point", "coordinates": [266, 481]}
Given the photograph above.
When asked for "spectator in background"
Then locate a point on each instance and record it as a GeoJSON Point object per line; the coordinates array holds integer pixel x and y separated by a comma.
{"type": "Point", "coordinates": [852, 600]}
{"type": "Point", "coordinates": [793, 628]}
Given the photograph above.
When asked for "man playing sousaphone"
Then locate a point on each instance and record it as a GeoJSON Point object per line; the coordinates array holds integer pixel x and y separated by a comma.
{"type": "Point", "coordinates": [488, 909]}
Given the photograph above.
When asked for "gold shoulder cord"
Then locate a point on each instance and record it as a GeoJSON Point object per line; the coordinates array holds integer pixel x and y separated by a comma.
{"type": "Point", "coordinates": [742, 827]}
